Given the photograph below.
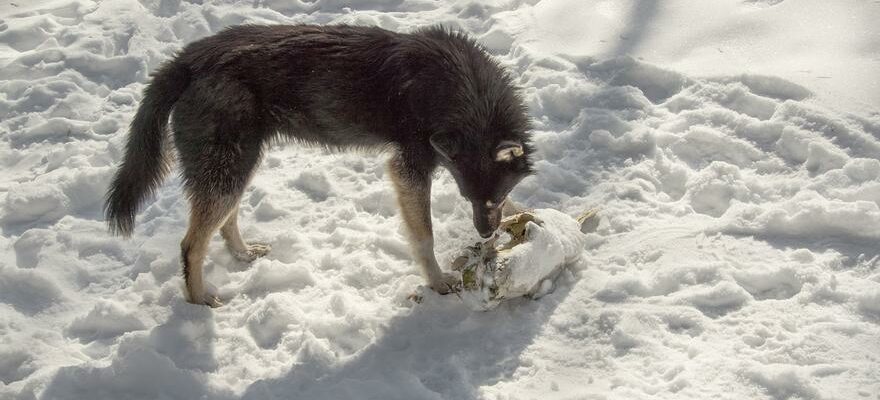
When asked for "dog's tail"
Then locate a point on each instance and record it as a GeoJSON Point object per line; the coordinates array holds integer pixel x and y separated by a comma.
{"type": "Point", "coordinates": [145, 163]}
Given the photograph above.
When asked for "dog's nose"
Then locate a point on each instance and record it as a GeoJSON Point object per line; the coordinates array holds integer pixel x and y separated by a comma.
{"type": "Point", "coordinates": [488, 230]}
{"type": "Point", "coordinates": [485, 219]}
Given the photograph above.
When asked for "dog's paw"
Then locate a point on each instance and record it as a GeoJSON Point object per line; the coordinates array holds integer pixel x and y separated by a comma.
{"type": "Point", "coordinates": [209, 298]}
{"type": "Point", "coordinates": [206, 299]}
{"type": "Point", "coordinates": [446, 284]}
{"type": "Point", "coordinates": [416, 297]}
{"type": "Point", "coordinates": [253, 252]}
{"type": "Point", "coordinates": [213, 301]}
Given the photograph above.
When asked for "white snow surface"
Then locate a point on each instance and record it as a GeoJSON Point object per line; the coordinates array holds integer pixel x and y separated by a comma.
{"type": "Point", "coordinates": [733, 147]}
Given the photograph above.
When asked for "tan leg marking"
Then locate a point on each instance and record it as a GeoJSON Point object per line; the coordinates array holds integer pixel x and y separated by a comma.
{"type": "Point", "coordinates": [414, 200]}
{"type": "Point", "coordinates": [232, 235]}
{"type": "Point", "coordinates": [205, 218]}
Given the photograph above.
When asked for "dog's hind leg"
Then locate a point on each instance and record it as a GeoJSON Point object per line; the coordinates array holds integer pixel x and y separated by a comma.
{"type": "Point", "coordinates": [215, 176]}
{"type": "Point", "coordinates": [241, 250]}
{"type": "Point", "coordinates": [206, 215]}
{"type": "Point", "coordinates": [219, 136]}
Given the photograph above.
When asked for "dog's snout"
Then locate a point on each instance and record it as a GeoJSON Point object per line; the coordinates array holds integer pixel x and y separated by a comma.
{"type": "Point", "coordinates": [486, 219]}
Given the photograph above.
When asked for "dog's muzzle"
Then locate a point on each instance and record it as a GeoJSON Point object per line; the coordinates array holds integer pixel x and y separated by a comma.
{"type": "Point", "coordinates": [486, 219]}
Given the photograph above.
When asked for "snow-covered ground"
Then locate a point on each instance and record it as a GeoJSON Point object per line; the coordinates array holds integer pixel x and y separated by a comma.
{"type": "Point", "coordinates": [732, 146]}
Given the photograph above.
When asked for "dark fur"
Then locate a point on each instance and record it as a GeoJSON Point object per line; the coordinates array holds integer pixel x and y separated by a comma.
{"type": "Point", "coordinates": [434, 96]}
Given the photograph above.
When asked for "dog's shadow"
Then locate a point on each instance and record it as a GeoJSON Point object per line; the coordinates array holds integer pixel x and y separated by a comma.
{"type": "Point", "coordinates": [438, 350]}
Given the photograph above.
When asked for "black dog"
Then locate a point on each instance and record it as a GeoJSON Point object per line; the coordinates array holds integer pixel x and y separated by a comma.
{"type": "Point", "coordinates": [433, 96]}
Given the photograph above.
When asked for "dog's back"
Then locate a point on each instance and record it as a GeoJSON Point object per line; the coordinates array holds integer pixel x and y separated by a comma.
{"type": "Point", "coordinates": [312, 83]}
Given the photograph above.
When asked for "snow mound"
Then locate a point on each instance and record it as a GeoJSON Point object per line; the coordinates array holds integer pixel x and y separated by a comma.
{"type": "Point", "coordinates": [106, 320]}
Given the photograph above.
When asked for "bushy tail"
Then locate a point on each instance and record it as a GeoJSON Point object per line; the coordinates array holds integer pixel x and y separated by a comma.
{"type": "Point", "coordinates": [145, 163]}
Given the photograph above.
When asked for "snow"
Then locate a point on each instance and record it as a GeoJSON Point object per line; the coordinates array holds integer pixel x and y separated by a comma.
{"type": "Point", "coordinates": [732, 146]}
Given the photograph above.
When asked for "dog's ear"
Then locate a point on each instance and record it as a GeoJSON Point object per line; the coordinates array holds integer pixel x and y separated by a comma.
{"type": "Point", "coordinates": [508, 150]}
{"type": "Point", "coordinates": [444, 146]}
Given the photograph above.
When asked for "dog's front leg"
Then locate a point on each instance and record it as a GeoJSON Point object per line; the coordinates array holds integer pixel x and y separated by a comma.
{"type": "Point", "coordinates": [414, 198]}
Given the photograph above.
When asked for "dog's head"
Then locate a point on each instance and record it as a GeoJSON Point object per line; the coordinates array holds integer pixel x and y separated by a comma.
{"type": "Point", "coordinates": [486, 170]}
{"type": "Point", "coordinates": [479, 122]}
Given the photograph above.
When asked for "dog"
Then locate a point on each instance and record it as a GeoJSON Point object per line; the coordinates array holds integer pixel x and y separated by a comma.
{"type": "Point", "coordinates": [432, 97]}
